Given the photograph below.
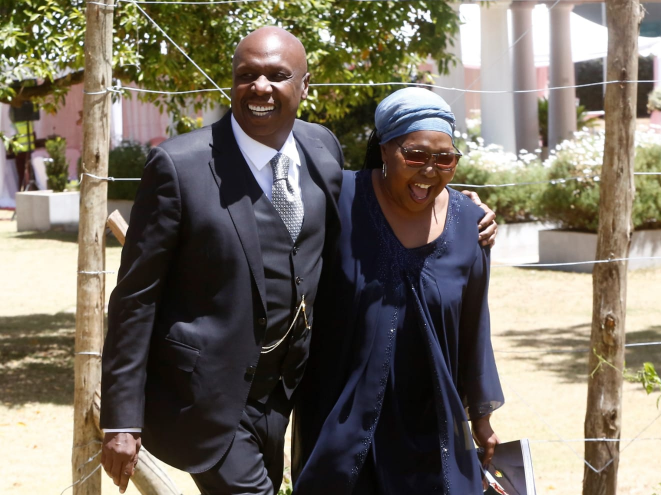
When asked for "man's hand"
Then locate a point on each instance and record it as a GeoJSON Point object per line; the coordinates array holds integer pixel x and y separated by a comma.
{"type": "Point", "coordinates": [485, 437]}
{"type": "Point", "coordinates": [488, 226]}
{"type": "Point", "coordinates": [119, 456]}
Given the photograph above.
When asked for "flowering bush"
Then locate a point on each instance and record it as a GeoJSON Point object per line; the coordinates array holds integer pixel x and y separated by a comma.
{"type": "Point", "coordinates": [490, 164]}
{"type": "Point", "coordinates": [574, 203]}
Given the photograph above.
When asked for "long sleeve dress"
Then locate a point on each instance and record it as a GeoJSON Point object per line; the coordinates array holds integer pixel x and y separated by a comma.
{"type": "Point", "coordinates": [400, 358]}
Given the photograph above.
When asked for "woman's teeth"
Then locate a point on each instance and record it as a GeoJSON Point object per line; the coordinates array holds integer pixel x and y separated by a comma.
{"type": "Point", "coordinates": [260, 111]}
{"type": "Point", "coordinates": [420, 191]}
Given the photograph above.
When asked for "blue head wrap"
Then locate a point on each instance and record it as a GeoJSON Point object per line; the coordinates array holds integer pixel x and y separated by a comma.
{"type": "Point", "coordinates": [412, 109]}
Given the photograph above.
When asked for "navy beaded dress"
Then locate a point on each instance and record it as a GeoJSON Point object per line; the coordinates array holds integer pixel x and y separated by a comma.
{"type": "Point", "coordinates": [400, 357]}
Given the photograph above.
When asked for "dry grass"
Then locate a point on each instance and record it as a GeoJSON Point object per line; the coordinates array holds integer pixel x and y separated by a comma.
{"type": "Point", "coordinates": [535, 312]}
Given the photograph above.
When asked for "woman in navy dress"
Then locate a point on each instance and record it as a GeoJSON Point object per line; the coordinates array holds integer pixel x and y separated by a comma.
{"type": "Point", "coordinates": [401, 356]}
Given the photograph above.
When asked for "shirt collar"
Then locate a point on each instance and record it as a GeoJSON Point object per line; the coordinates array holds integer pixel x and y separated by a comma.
{"type": "Point", "coordinates": [260, 154]}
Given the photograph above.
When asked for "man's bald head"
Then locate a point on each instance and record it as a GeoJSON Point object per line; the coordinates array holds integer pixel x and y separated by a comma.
{"type": "Point", "coordinates": [269, 80]}
{"type": "Point", "coordinates": [270, 37]}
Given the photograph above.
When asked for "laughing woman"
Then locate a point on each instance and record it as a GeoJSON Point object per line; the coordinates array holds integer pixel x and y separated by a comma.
{"type": "Point", "coordinates": [401, 357]}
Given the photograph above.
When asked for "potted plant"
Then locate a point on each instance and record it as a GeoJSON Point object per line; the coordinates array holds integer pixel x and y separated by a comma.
{"type": "Point", "coordinates": [54, 208]}
{"type": "Point", "coordinates": [514, 206]}
{"type": "Point", "coordinates": [574, 204]}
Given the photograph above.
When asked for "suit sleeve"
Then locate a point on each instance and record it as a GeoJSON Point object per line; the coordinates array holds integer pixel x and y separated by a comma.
{"type": "Point", "coordinates": [337, 151]}
{"type": "Point", "coordinates": [479, 385]}
{"type": "Point", "coordinates": [150, 244]}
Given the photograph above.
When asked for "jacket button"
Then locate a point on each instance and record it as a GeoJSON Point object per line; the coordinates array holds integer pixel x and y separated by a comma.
{"type": "Point", "coordinates": [261, 321]}
{"type": "Point", "coordinates": [250, 372]}
{"type": "Point", "coordinates": [295, 250]}
{"type": "Point", "coordinates": [299, 280]}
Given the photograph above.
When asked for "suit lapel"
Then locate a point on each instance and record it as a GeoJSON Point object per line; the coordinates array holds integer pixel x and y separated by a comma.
{"type": "Point", "coordinates": [319, 160]}
{"type": "Point", "coordinates": [229, 170]}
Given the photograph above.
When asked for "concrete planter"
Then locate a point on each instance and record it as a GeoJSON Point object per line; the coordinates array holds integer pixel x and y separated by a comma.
{"type": "Point", "coordinates": [562, 246]}
{"type": "Point", "coordinates": [518, 242]}
{"type": "Point", "coordinates": [47, 210]}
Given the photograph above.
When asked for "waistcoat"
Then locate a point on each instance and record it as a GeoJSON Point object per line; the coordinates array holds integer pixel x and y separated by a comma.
{"type": "Point", "coordinates": [291, 272]}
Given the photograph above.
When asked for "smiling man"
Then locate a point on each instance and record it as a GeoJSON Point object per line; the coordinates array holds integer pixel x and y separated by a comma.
{"type": "Point", "coordinates": [209, 325]}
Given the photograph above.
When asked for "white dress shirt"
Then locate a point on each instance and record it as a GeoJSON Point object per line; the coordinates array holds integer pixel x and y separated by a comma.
{"type": "Point", "coordinates": [257, 156]}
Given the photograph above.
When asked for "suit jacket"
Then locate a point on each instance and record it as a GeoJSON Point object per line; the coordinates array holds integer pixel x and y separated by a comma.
{"type": "Point", "coordinates": [187, 318]}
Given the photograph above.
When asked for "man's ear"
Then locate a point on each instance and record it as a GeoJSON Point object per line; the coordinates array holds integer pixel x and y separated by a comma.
{"type": "Point", "coordinates": [306, 86]}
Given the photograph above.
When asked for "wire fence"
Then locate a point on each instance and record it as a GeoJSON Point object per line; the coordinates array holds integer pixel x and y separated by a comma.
{"type": "Point", "coordinates": [216, 88]}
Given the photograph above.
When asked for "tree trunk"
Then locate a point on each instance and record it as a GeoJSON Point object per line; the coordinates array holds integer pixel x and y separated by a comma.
{"type": "Point", "coordinates": [603, 416]}
{"type": "Point", "coordinates": [91, 245]}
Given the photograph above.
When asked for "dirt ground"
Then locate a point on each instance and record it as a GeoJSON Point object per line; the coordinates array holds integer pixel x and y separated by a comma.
{"type": "Point", "coordinates": [535, 314]}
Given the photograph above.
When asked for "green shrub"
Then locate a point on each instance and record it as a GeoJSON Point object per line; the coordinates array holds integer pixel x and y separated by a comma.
{"type": "Point", "coordinates": [491, 165]}
{"type": "Point", "coordinates": [574, 204]}
{"type": "Point", "coordinates": [57, 168]}
{"type": "Point", "coordinates": [126, 160]}
{"type": "Point", "coordinates": [185, 124]}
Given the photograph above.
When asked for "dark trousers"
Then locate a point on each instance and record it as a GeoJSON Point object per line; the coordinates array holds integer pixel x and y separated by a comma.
{"type": "Point", "coordinates": [255, 461]}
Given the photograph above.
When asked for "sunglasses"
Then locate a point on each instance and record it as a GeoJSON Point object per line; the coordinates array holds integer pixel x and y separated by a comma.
{"type": "Point", "coordinates": [420, 158]}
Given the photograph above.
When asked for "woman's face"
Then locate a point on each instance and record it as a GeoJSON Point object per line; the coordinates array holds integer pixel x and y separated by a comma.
{"type": "Point", "coordinates": [414, 189]}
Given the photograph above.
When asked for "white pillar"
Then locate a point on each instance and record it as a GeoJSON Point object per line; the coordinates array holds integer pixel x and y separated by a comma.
{"type": "Point", "coordinates": [562, 102]}
{"type": "Point", "coordinates": [454, 79]}
{"type": "Point", "coordinates": [116, 121]}
{"type": "Point", "coordinates": [497, 110]}
{"type": "Point", "coordinates": [525, 77]}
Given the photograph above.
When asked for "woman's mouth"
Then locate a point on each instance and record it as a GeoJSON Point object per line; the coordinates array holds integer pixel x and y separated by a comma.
{"type": "Point", "coordinates": [419, 191]}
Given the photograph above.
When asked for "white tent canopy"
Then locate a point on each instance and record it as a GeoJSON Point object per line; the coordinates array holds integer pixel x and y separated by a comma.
{"type": "Point", "coordinates": [588, 39]}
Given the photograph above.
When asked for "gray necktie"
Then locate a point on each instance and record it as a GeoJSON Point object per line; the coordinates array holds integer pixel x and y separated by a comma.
{"type": "Point", "coordinates": [288, 205]}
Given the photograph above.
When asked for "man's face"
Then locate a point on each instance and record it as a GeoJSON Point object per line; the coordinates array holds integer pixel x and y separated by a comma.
{"type": "Point", "coordinates": [269, 81]}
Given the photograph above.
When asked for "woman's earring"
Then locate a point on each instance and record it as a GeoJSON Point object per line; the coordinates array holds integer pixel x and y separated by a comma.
{"type": "Point", "coordinates": [383, 170]}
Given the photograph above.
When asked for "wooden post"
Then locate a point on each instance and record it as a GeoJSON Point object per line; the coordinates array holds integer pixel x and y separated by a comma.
{"type": "Point", "coordinates": [91, 245]}
{"type": "Point", "coordinates": [609, 280]}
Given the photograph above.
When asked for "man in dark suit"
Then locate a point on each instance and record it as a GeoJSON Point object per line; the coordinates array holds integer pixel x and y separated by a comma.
{"type": "Point", "coordinates": [208, 327]}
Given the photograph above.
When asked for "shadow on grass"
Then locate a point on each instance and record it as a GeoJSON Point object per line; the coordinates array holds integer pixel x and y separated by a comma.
{"type": "Point", "coordinates": [546, 347]}
{"type": "Point", "coordinates": [36, 359]}
{"type": "Point", "coordinates": [56, 235]}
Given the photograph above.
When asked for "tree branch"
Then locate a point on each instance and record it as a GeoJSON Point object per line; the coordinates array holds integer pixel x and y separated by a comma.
{"type": "Point", "coordinates": [27, 93]}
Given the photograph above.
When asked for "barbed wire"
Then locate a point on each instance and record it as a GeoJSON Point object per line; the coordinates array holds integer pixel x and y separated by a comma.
{"type": "Point", "coordinates": [120, 89]}
{"type": "Point", "coordinates": [573, 263]}
{"type": "Point", "coordinates": [568, 443]}
{"type": "Point", "coordinates": [580, 350]}
{"type": "Point", "coordinates": [116, 89]}
{"type": "Point", "coordinates": [81, 480]}
{"type": "Point", "coordinates": [178, 47]}
{"type": "Point", "coordinates": [564, 180]}
{"type": "Point", "coordinates": [613, 440]}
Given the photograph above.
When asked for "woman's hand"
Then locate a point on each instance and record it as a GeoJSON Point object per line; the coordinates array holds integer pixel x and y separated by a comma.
{"type": "Point", "coordinates": [487, 226]}
{"type": "Point", "coordinates": [485, 437]}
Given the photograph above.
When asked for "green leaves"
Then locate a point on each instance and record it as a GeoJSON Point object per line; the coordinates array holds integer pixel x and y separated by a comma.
{"type": "Point", "coordinates": [647, 377]}
{"type": "Point", "coordinates": [346, 42]}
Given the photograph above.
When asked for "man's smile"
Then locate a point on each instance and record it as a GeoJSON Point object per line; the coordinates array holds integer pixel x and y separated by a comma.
{"type": "Point", "coordinates": [261, 110]}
